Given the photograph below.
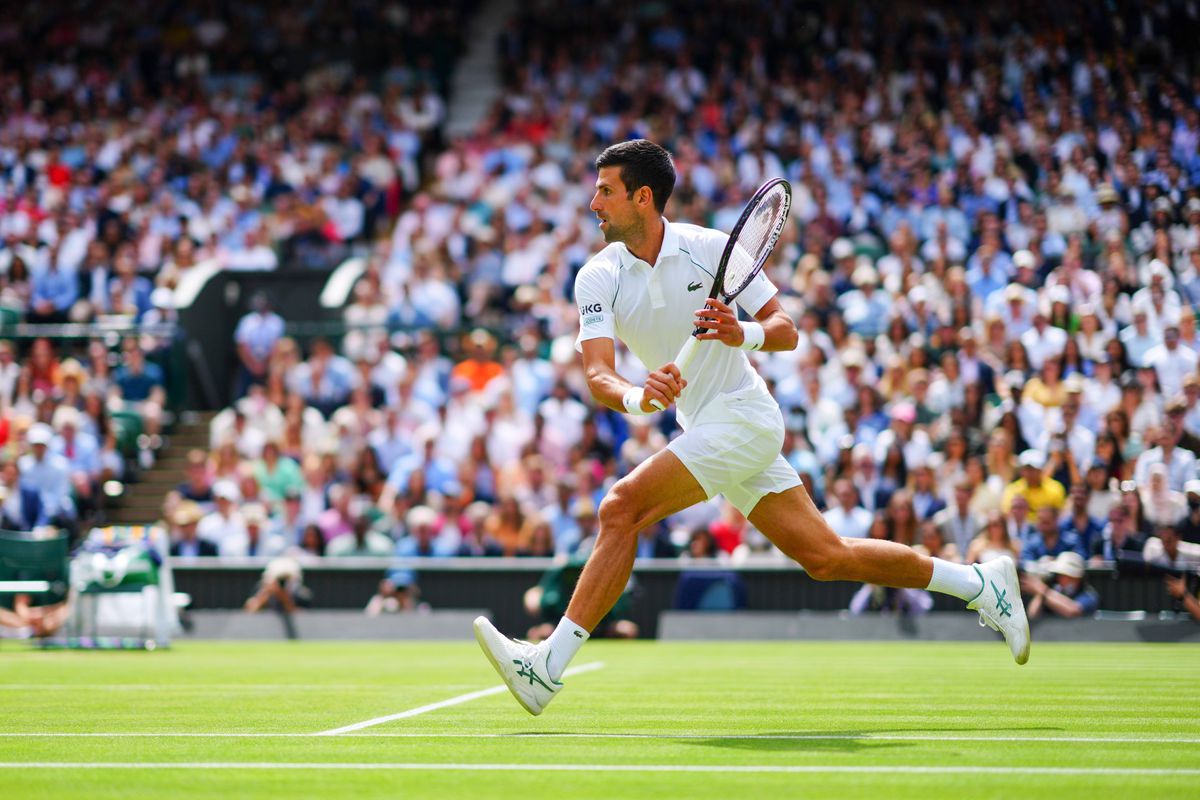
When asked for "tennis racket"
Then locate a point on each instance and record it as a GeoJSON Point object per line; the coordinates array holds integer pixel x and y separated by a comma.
{"type": "Point", "coordinates": [749, 246]}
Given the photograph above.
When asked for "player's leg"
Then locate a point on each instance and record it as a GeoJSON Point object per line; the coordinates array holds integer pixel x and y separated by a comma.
{"type": "Point", "coordinates": [791, 520]}
{"type": "Point", "coordinates": [657, 488]}
{"type": "Point", "coordinates": [660, 486]}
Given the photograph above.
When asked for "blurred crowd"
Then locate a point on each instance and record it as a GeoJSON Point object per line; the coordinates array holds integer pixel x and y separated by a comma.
{"type": "Point", "coordinates": [993, 260]}
{"type": "Point", "coordinates": [139, 139]}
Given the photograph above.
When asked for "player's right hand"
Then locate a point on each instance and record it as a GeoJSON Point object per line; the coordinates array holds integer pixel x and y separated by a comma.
{"type": "Point", "coordinates": [664, 384]}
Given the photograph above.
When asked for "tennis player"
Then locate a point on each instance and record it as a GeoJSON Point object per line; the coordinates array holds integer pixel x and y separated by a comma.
{"type": "Point", "coordinates": [649, 288]}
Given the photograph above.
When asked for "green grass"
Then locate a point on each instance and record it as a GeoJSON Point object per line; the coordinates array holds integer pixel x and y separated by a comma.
{"type": "Point", "coordinates": [882, 706]}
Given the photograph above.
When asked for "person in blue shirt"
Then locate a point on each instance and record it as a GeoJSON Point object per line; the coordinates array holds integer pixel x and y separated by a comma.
{"type": "Point", "coordinates": [55, 290]}
{"type": "Point", "coordinates": [1087, 529]}
{"type": "Point", "coordinates": [48, 475]}
{"type": "Point", "coordinates": [1047, 539]}
{"type": "Point", "coordinates": [1067, 595]}
{"type": "Point", "coordinates": [141, 384]}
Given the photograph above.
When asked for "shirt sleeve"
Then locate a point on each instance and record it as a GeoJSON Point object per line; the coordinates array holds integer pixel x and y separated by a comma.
{"type": "Point", "coordinates": [756, 295]}
{"type": "Point", "coordinates": [595, 294]}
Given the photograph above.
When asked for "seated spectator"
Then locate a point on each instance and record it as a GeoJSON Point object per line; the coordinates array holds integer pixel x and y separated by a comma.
{"type": "Point", "coordinates": [186, 541]}
{"type": "Point", "coordinates": [256, 336]}
{"type": "Point", "coordinates": [361, 541]}
{"type": "Point", "coordinates": [46, 476]}
{"type": "Point", "coordinates": [1165, 549]}
{"type": "Point", "coordinates": [82, 454]}
{"type": "Point", "coordinates": [141, 386]}
{"type": "Point", "coordinates": [956, 523]}
{"type": "Point", "coordinates": [1120, 539]}
{"type": "Point", "coordinates": [1038, 490]}
{"type": "Point", "coordinates": [1068, 595]}
{"type": "Point", "coordinates": [1078, 521]}
{"type": "Point", "coordinates": [277, 475]}
{"type": "Point", "coordinates": [224, 523]}
{"type": "Point", "coordinates": [1048, 540]}
{"type": "Point", "coordinates": [848, 518]}
{"type": "Point", "coordinates": [256, 539]}
{"type": "Point", "coordinates": [993, 541]}
{"type": "Point", "coordinates": [197, 485]}
{"type": "Point", "coordinates": [1161, 505]}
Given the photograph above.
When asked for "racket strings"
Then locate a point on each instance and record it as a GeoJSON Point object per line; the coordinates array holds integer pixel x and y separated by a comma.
{"type": "Point", "coordinates": [755, 240]}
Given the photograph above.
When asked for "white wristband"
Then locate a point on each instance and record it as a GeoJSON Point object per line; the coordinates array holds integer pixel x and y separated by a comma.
{"type": "Point", "coordinates": [633, 400]}
{"type": "Point", "coordinates": [753, 335]}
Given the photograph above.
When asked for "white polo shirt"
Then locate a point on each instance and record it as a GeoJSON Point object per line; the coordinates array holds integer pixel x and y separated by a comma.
{"type": "Point", "coordinates": [652, 309]}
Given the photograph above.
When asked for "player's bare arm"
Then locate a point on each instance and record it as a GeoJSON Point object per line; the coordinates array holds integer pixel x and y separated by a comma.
{"type": "Point", "coordinates": [599, 365]}
{"type": "Point", "coordinates": [721, 323]}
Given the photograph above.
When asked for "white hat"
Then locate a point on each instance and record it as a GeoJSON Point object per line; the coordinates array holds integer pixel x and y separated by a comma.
{"type": "Point", "coordinates": [39, 433]}
{"type": "Point", "coordinates": [1024, 258]}
{"type": "Point", "coordinates": [226, 490]}
{"type": "Point", "coordinates": [1032, 458]}
{"type": "Point", "coordinates": [421, 516]}
{"type": "Point", "coordinates": [1191, 487]}
{"type": "Point", "coordinates": [1059, 294]}
{"type": "Point", "coordinates": [1068, 563]}
{"type": "Point", "coordinates": [841, 248]}
{"type": "Point", "coordinates": [917, 294]}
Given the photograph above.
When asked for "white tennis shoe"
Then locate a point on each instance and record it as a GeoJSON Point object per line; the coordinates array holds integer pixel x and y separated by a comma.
{"type": "Point", "coordinates": [1000, 605]}
{"type": "Point", "coordinates": [522, 666]}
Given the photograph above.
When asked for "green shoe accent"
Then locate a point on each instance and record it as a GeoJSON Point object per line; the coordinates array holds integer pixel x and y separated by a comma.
{"type": "Point", "coordinates": [1002, 604]}
{"type": "Point", "coordinates": [527, 672]}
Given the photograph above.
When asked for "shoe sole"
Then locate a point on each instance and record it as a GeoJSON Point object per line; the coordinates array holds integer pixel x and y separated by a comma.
{"type": "Point", "coordinates": [481, 625]}
{"type": "Point", "coordinates": [1010, 570]}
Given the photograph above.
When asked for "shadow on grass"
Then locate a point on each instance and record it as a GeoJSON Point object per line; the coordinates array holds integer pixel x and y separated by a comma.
{"type": "Point", "coordinates": [852, 741]}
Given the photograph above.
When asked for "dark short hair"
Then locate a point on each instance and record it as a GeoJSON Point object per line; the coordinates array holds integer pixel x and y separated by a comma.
{"type": "Point", "coordinates": [642, 163]}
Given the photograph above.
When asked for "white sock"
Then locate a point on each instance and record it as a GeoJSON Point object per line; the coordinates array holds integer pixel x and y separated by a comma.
{"type": "Point", "coordinates": [960, 580]}
{"type": "Point", "coordinates": [563, 644]}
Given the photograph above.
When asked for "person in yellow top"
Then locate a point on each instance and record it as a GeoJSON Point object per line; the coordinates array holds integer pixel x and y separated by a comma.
{"type": "Point", "coordinates": [1038, 489]}
{"type": "Point", "coordinates": [1047, 388]}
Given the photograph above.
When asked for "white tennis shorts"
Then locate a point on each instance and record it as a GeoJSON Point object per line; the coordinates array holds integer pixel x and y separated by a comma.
{"type": "Point", "coordinates": [732, 447]}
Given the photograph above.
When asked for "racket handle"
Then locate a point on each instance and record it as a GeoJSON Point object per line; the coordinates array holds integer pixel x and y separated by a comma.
{"type": "Point", "coordinates": [686, 354]}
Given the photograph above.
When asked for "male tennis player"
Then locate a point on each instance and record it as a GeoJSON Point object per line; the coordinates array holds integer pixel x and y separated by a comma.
{"type": "Point", "coordinates": [647, 287]}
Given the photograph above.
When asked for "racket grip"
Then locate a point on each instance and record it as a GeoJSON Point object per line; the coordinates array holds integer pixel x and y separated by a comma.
{"type": "Point", "coordinates": [686, 354]}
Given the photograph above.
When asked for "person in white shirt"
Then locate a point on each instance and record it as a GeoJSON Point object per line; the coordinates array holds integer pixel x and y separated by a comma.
{"type": "Point", "coordinates": [648, 287]}
{"type": "Point", "coordinates": [1171, 360]}
{"type": "Point", "coordinates": [1043, 340]}
{"type": "Point", "coordinates": [847, 517]}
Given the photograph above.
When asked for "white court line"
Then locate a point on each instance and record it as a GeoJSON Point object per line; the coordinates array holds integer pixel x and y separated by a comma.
{"type": "Point", "coordinates": [709, 768]}
{"type": "Point", "coordinates": [453, 701]}
{"type": "Point", "coordinates": [878, 737]}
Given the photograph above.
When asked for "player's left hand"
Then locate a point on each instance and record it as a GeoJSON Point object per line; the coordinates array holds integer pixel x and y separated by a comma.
{"type": "Point", "coordinates": [720, 322]}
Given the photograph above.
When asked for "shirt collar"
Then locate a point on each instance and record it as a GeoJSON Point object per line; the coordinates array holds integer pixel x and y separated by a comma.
{"type": "Point", "coordinates": [670, 245]}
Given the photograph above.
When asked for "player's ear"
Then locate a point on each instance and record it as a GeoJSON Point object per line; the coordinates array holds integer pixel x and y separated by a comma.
{"type": "Point", "coordinates": [644, 196]}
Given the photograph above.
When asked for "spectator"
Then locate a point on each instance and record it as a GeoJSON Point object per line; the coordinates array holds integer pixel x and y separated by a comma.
{"type": "Point", "coordinates": [848, 518]}
{"type": "Point", "coordinates": [1037, 490]}
{"type": "Point", "coordinates": [45, 475]}
{"type": "Point", "coordinates": [256, 336]}
{"type": "Point", "coordinates": [1068, 596]}
{"type": "Point", "coordinates": [361, 541]}
{"type": "Point", "coordinates": [1048, 540]}
{"type": "Point", "coordinates": [1165, 549]}
{"type": "Point", "coordinates": [956, 523]}
{"type": "Point", "coordinates": [224, 526]}
{"type": "Point", "coordinates": [187, 542]}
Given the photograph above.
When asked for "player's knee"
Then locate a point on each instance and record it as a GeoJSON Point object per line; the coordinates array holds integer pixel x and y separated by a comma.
{"type": "Point", "coordinates": [827, 563]}
{"type": "Point", "coordinates": [615, 514]}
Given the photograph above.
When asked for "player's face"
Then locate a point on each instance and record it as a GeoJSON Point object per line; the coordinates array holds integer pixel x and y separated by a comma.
{"type": "Point", "coordinates": [612, 204]}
